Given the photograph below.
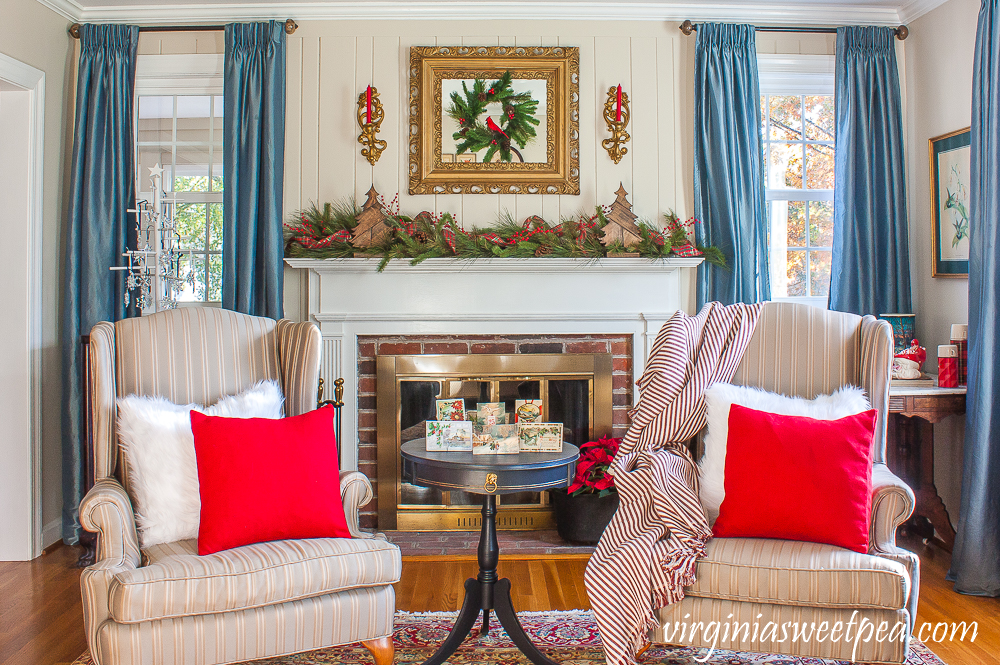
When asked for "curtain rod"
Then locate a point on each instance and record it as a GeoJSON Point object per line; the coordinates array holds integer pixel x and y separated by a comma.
{"type": "Point", "coordinates": [687, 27]}
{"type": "Point", "coordinates": [290, 27]}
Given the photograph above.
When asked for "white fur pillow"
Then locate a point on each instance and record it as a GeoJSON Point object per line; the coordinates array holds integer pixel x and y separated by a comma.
{"type": "Point", "coordinates": [846, 401]}
{"type": "Point", "coordinates": [159, 449]}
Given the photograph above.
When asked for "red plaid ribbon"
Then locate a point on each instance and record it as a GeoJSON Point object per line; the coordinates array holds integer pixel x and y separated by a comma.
{"type": "Point", "coordinates": [534, 219]}
{"type": "Point", "coordinates": [658, 237]}
{"type": "Point", "coordinates": [494, 238]}
{"type": "Point", "coordinates": [449, 235]}
{"type": "Point", "coordinates": [582, 227]}
{"type": "Point", "coordinates": [340, 236]}
{"type": "Point", "coordinates": [686, 249]}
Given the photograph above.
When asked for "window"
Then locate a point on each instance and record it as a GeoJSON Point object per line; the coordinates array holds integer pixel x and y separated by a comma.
{"type": "Point", "coordinates": [797, 114]}
{"type": "Point", "coordinates": [179, 127]}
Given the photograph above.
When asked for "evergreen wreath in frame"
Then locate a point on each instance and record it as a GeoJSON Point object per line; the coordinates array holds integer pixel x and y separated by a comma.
{"type": "Point", "coordinates": [517, 120]}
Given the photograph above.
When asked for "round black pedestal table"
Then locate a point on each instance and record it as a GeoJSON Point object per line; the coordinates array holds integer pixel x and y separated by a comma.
{"type": "Point", "coordinates": [488, 475]}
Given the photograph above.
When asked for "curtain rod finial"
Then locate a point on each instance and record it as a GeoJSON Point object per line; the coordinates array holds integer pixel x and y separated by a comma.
{"type": "Point", "coordinates": [902, 32]}
{"type": "Point", "coordinates": [291, 26]}
{"type": "Point", "coordinates": [74, 31]}
{"type": "Point", "coordinates": [687, 27]}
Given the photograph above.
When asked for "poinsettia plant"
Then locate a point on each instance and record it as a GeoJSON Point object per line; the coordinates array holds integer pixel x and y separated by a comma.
{"type": "Point", "coordinates": [592, 468]}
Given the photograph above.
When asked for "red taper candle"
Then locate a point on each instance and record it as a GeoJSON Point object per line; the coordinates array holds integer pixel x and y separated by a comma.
{"type": "Point", "coordinates": [368, 101]}
{"type": "Point", "coordinates": [618, 109]}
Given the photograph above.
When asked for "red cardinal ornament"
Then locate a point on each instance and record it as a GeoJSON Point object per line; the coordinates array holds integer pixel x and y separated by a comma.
{"type": "Point", "coordinates": [494, 127]}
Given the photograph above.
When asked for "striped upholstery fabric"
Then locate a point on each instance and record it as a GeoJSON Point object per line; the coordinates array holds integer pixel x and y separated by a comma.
{"type": "Point", "coordinates": [787, 572]}
{"type": "Point", "coordinates": [176, 582]}
{"type": "Point", "coordinates": [804, 351]}
{"type": "Point", "coordinates": [262, 600]}
{"type": "Point", "coordinates": [694, 609]}
{"type": "Point", "coordinates": [273, 630]}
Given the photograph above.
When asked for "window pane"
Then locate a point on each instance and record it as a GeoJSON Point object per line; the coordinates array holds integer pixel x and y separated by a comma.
{"type": "Point", "coordinates": [189, 220]}
{"type": "Point", "coordinates": [193, 264]}
{"type": "Point", "coordinates": [796, 263]}
{"type": "Point", "coordinates": [796, 224]}
{"type": "Point", "coordinates": [215, 278]}
{"type": "Point", "coordinates": [821, 223]}
{"type": "Point", "coordinates": [150, 157]}
{"type": "Point", "coordinates": [819, 272]}
{"type": "Point", "coordinates": [156, 119]}
{"type": "Point", "coordinates": [785, 117]}
{"type": "Point", "coordinates": [193, 118]}
{"type": "Point", "coordinates": [819, 118]}
{"type": "Point", "coordinates": [215, 227]}
{"type": "Point", "coordinates": [218, 115]}
{"type": "Point", "coordinates": [785, 166]}
{"type": "Point", "coordinates": [217, 180]}
{"type": "Point", "coordinates": [192, 170]}
{"type": "Point", "coordinates": [819, 166]}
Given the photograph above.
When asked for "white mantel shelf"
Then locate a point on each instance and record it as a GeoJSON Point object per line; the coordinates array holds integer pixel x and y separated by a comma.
{"type": "Point", "coordinates": [348, 298]}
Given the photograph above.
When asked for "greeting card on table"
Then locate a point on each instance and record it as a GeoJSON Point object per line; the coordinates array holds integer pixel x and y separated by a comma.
{"type": "Point", "coordinates": [527, 410]}
{"type": "Point", "coordinates": [490, 414]}
{"type": "Point", "coordinates": [450, 409]}
{"type": "Point", "coordinates": [498, 440]}
{"type": "Point", "coordinates": [448, 436]}
{"type": "Point", "coordinates": [540, 437]}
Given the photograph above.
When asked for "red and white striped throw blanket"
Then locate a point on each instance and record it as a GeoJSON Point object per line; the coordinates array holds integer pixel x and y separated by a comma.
{"type": "Point", "coordinates": [648, 553]}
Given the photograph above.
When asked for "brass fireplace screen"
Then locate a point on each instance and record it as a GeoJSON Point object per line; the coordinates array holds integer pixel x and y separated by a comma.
{"type": "Point", "coordinates": [575, 390]}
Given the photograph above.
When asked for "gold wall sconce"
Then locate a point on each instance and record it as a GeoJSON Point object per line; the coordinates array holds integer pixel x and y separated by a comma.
{"type": "Point", "coordinates": [616, 114]}
{"type": "Point", "coordinates": [370, 117]}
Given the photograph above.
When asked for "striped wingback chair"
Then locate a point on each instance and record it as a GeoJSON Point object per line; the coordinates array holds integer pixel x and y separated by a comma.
{"type": "Point", "coordinates": [165, 604]}
{"type": "Point", "coordinates": [804, 351]}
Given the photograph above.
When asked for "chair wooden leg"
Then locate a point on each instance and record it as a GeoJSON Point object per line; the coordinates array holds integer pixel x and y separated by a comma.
{"type": "Point", "coordinates": [382, 650]}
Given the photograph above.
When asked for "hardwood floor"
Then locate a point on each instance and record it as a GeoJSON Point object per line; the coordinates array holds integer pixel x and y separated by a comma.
{"type": "Point", "coordinates": [41, 616]}
{"type": "Point", "coordinates": [41, 620]}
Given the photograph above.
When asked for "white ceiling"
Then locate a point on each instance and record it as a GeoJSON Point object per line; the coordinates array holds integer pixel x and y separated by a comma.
{"type": "Point", "coordinates": [759, 12]}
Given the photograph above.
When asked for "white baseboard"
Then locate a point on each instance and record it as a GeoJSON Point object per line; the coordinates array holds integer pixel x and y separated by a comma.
{"type": "Point", "coordinates": [51, 532]}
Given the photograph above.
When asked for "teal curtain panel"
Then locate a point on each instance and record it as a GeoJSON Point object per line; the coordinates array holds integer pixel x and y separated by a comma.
{"type": "Point", "coordinates": [98, 228]}
{"type": "Point", "coordinates": [975, 561]}
{"type": "Point", "coordinates": [729, 164]}
{"type": "Point", "coordinates": [870, 271]}
{"type": "Point", "coordinates": [253, 168]}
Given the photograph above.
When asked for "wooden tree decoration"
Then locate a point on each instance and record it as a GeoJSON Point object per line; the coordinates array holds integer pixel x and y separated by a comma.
{"type": "Point", "coordinates": [621, 226]}
{"type": "Point", "coordinates": [372, 226]}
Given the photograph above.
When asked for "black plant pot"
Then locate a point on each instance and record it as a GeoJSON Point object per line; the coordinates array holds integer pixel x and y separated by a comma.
{"type": "Point", "coordinates": [582, 518]}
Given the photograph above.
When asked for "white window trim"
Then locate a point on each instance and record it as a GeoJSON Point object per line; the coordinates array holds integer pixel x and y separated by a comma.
{"type": "Point", "coordinates": [794, 74]}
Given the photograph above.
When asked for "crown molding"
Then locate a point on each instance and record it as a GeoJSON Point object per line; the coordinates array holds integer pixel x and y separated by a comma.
{"type": "Point", "coordinates": [764, 13]}
{"type": "Point", "coordinates": [65, 8]}
{"type": "Point", "coordinates": [916, 8]}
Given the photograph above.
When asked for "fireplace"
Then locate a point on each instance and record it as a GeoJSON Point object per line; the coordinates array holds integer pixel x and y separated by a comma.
{"type": "Point", "coordinates": [498, 306]}
{"type": "Point", "coordinates": [574, 389]}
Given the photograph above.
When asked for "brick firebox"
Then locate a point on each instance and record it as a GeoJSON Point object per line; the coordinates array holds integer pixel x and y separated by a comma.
{"type": "Point", "coordinates": [369, 347]}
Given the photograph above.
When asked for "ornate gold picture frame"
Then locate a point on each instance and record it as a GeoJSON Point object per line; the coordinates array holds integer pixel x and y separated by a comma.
{"type": "Point", "coordinates": [548, 75]}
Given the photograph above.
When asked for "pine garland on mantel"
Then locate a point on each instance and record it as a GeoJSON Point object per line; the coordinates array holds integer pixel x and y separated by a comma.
{"type": "Point", "coordinates": [325, 232]}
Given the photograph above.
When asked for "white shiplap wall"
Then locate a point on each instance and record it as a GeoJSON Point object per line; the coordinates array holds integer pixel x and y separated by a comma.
{"type": "Point", "coordinates": [329, 65]}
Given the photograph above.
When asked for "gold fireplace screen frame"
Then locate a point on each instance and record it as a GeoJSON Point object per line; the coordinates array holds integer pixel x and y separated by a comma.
{"type": "Point", "coordinates": [491, 368]}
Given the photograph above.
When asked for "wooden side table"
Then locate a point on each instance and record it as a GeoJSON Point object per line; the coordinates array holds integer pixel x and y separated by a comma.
{"type": "Point", "coordinates": [488, 476]}
{"type": "Point", "coordinates": [910, 450]}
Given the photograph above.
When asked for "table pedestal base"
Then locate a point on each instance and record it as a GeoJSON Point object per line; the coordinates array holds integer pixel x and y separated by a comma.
{"type": "Point", "coordinates": [485, 593]}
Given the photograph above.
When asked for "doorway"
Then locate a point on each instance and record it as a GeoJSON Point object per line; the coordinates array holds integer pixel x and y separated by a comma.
{"type": "Point", "coordinates": [21, 150]}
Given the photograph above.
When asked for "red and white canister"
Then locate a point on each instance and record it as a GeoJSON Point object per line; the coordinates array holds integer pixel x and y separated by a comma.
{"type": "Point", "coordinates": [960, 338]}
{"type": "Point", "coordinates": [947, 366]}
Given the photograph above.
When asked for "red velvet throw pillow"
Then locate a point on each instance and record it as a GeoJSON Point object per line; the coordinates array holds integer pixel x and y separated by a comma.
{"type": "Point", "coordinates": [264, 479]}
{"type": "Point", "coordinates": [798, 478]}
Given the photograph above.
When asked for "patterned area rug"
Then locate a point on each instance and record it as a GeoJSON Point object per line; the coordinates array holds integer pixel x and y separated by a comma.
{"type": "Point", "coordinates": [571, 638]}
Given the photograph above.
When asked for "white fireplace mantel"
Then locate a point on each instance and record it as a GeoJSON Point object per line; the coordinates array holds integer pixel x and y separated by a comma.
{"type": "Point", "coordinates": [548, 296]}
